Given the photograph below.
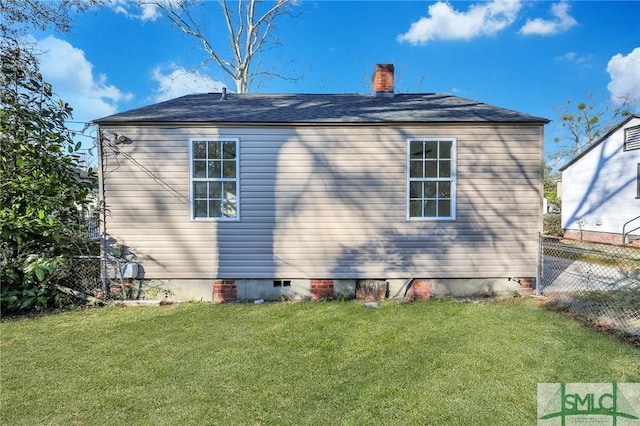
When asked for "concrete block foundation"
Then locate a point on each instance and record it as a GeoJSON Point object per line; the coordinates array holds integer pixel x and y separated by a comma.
{"type": "Point", "coordinates": [228, 290]}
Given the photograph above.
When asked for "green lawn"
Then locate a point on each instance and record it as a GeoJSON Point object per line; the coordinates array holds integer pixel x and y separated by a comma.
{"type": "Point", "coordinates": [301, 363]}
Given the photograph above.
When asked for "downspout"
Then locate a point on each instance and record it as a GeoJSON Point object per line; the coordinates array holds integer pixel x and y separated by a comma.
{"type": "Point", "coordinates": [539, 265]}
{"type": "Point", "coordinates": [541, 212]}
{"type": "Point", "coordinates": [406, 286]}
{"type": "Point", "coordinates": [103, 215]}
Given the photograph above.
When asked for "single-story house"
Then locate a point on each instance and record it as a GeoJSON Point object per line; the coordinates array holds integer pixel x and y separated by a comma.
{"type": "Point", "coordinates": [220, 196]}
{"type": "Point", "coordinates": [601, 188]}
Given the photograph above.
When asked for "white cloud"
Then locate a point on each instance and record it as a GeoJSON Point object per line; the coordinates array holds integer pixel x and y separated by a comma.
{"type": "Point", "coordinates": [574, 57]}
{"type": "Point", "coordinates": [175, 81]}
{"type": "Point", "coordinates": [150, 12]}
{"type": "Point", "coordinates": [625, 75]}
{"type": "Point", "coordinates": [136, 10]}
{"type": "Point", "coordinates": [445, 23]}
{"type": "Point", "coordinates": [561, 21]}
{"type": "Point", "coordinates": [73, 80]}
{"type": "Point", "coordinates": [569, 57]}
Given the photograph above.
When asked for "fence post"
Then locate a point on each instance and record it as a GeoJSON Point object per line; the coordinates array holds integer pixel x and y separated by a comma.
{"type": "Point", "coordinates": [103, 275]}
{"type": "Point", "coordinates": [539, 265]}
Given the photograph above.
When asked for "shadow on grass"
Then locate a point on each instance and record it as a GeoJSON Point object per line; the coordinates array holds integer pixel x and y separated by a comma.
{"type": "Point", "coordinates": [590, 310]}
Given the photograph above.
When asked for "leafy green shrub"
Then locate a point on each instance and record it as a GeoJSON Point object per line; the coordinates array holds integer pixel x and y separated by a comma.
{"type": "Point", "coordinates": [30, 287]}
{"type": "Point", "coordinates": [552, 225]}
{"type": "Point", "coordinates": [43, 183]}
{"type": "Point", "coordinates": [551, 196]}
{"type": "Point", "coordinates": [27, 298]}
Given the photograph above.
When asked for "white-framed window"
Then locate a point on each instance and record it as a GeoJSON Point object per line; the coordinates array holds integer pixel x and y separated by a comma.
{"type": "Point", "coordinates": [214, 168]}
{"type": "Point", "coordinates": [431, 178]}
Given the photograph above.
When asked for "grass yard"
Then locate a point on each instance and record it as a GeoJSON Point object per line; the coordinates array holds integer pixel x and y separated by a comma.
{"type": "Point", "coordinates": [302, 363]}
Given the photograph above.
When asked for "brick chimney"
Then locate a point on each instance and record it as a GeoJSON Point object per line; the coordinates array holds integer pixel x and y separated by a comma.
{"type": "Point", "coordinates": [383, 80]}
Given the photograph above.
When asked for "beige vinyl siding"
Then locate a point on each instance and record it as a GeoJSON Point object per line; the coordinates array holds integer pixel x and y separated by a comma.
{"type": "Point", "coordinates": [328, 202]}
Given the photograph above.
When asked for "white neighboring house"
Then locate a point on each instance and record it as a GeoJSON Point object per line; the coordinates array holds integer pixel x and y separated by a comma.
{"type": "Point", "coordinates": [601, 188]}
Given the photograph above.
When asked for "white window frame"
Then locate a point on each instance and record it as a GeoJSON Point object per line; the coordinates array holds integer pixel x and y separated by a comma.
{"type": "Point", "coordinates": [192, 180]}
{"type": "Point", "coordinates": [452, 179]}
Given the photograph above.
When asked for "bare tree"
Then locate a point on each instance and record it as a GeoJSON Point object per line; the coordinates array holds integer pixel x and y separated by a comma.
{"type": "Point", "coordinates": [585, 126]}
{"type": "Point", "coordinates": [248, 25]}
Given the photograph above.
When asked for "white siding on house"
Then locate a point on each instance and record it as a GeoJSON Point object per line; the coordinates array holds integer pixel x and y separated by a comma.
{"type": "Point", "coordinates": [600, 189]}
{"type": "Point", "coordinates": [328, 202]}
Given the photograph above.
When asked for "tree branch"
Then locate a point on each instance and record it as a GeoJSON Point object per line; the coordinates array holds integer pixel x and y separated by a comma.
{"type": "Point", "coordinates": [78, 294]}
{"type": "Point", "coordinates": [248, 34]}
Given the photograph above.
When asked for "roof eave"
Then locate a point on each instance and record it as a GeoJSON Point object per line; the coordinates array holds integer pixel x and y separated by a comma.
{"type": "Point", "coordinates": [104, 123]}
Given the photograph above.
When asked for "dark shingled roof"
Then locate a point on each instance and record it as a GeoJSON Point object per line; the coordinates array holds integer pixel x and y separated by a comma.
{"type": "Point", "coordinates": [319, 108]}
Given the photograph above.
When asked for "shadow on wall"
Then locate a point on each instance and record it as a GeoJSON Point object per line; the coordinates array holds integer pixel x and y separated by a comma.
{"type": "Point", "coordinates": [337, 212]}
{"type": "Point", "coordinates": [147, 208]}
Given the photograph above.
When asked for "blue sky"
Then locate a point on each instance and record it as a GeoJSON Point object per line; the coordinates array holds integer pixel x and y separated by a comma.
{"type": "Point", "coordinates": [531, 56]}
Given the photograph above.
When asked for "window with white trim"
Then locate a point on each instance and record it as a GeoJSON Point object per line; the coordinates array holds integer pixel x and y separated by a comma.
{"type": "Point", "coordinates": [431, 179]}
{"type": "Point", "coordinates": [214, 179]}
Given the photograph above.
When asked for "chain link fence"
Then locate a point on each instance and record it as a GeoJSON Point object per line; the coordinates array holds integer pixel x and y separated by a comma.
{"type": "Point", "coordinates": [598, 282]}
{"type": "Point", "coordinates": [97, 276]}
{"type": "Point", "coordinates": [83, 274]}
